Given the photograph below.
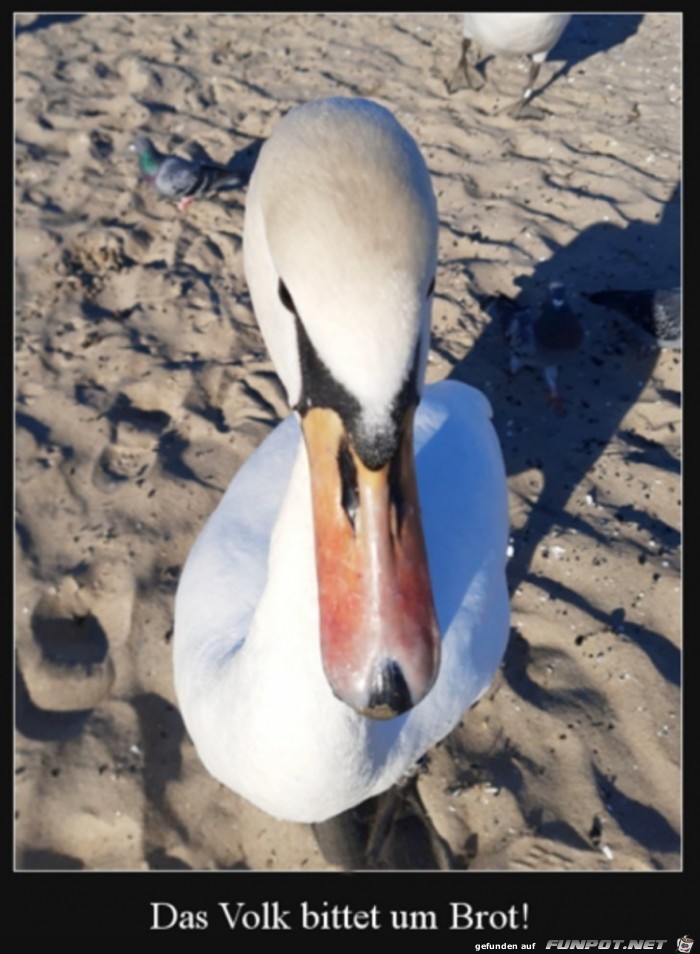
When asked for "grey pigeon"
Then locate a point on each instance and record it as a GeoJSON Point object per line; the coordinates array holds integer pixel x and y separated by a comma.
{"type": "Point", "coordinates": [656, 313]}
{"type": "Point", "coordinates": [510, 34]}
{"type": "Point", "coordinates": [182, 179]}
{"type": "Point", "coordinates": [545, 338]}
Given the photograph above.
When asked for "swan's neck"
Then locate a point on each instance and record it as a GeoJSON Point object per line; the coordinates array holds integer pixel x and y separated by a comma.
{"type": "Point", "coordinates": [274, 716]}
{"type": "Point", "coordinates": [285, 626]}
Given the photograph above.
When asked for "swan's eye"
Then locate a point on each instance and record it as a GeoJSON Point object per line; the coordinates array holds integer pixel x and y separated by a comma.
{"type": "Point", "coordinates": [431, 287]}
{"type": "Point", "coordinates": [285, 297]}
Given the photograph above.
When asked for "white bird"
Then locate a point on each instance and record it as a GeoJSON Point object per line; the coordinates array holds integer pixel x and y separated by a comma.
{"type": "Point", "coordinates": [511, 34]}
{"type": "Point", "coordinates": [309, 666]}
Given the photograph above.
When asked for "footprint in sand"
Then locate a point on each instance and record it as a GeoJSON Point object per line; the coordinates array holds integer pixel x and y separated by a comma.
{"type": "Point", "coordinates": [132, 450]}
{"type": "Point", "coordinates": [65, 660]}
{"type": "Point", "coordinates": [118, 463]}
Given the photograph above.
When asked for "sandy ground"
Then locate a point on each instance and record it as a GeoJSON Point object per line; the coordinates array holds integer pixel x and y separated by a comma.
{"type": "Point", "coordinates": [142, 383]}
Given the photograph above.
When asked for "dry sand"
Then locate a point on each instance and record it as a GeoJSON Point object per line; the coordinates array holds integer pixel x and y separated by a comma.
{"type": "Point", "coordinates": [142, 384]}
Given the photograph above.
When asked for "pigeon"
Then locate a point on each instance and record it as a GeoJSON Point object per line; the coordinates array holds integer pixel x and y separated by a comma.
{"type": "Point", "coordinates": [542, 338]}
{"type": "Point", "coordinates": [182, 179]}
{"type": "Point", "coordinates": [511, 34]}
{"type": "Point", "coordinates": [653, 316]}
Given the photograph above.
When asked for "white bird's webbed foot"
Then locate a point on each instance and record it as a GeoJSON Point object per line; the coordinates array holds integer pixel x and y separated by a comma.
{"type": "Point", "coordinates": [523, 108]}
{"type": "Point", "coordinates": [463, 76]}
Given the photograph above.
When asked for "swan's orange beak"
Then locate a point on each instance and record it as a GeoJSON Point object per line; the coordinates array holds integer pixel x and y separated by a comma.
{"type": "Point", "coordinates": [380, 642]}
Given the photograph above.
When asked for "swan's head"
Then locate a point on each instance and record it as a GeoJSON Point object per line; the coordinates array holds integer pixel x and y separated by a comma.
{"type": "Point", "coordinates": [340, 248]}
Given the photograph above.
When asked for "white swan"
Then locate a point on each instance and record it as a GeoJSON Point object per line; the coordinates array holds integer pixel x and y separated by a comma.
{"type": "Point", "coordinates": [511, 34]}
{"type": "Point", "coordinates": [305, 605]}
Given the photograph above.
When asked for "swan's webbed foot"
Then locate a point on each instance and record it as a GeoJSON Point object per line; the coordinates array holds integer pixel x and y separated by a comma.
{"type": "Point", "coordinates": [389, 832]}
